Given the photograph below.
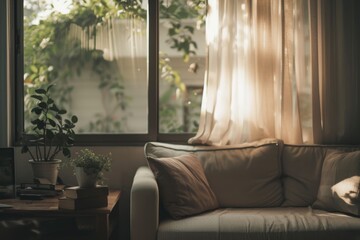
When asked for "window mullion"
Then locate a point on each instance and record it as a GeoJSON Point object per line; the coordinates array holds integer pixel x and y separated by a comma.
{"type": "Point", "coordinates": [153, 68]}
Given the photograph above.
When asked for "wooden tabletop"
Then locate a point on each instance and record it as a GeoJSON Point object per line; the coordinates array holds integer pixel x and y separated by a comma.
{"type": "Point", "coordinates": [50, 205]}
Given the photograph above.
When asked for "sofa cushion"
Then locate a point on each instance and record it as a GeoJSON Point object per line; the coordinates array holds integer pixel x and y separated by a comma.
{"type": "Point", "coordinates": [302, 165]}
{"type": "Point", "coordinates": [339, 186]}
{"type": "Point", "coordinates": [243, 175]}
{"type": "Point", "coordinates": [183, 187]}
{"type": "Point", "coordinates": [264, 223]}
{"type": "Point", "coordinates": [301, 174]}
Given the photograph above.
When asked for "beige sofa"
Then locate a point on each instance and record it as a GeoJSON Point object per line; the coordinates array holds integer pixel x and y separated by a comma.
{"type": "Point", "coordinates": [265, 190]}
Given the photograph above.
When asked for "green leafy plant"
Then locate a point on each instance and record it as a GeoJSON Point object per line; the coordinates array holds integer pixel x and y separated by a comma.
{"type": "Point", "coordinates": [50, 57]}
{"type": "Point", "coordinates": [91, 162]}
{"type": "Point", "coordinates": [51, 132]}
{"type": "Point", "coordinates": [180, 34]}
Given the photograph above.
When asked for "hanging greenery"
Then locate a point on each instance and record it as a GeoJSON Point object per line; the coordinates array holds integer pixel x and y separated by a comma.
{"type": "Point", "coordinates": [50, 57]}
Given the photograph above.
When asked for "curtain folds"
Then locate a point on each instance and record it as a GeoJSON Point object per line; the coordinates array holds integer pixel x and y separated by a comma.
{"type": "Point", "coordinates": [339, 76]}
{"type": "Point", "coordinates": [281, 68]}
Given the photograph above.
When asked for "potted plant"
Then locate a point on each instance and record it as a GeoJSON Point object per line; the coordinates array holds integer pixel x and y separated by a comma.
{"type": "Point", "coordinates": [52, 134]}
{"type": "Point", "coordinates": [89, 167]}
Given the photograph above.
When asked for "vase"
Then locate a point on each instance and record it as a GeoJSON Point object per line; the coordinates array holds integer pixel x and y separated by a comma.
{"type": "Point", "coordinates": [46, 170]}
{"type": "Point", "coordinates": [86, 178]}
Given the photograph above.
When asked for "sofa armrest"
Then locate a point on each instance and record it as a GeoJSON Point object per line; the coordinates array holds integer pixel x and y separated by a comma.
{"type": "Point", "coordinates": [144, 206]}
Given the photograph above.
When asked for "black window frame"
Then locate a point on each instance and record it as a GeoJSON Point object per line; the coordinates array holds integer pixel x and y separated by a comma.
{"type": "Point", "coordinates": [101, 139]}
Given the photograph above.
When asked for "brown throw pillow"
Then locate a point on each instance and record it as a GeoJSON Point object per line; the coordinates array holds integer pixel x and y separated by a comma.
{"type": "Point", "coordinates": [184, 189]}
{"type": "Point", "coordinates": [340, 183]}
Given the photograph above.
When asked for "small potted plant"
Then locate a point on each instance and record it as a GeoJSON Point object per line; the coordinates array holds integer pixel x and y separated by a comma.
{"type": "Point", "coordinates": [51, 134]}
{"type": "Point", "coordinates": [89, 167]}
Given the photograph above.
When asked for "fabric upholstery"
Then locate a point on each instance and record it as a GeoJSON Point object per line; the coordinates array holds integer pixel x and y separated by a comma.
{"type": "Point", "coordinates": [302, 166]}
{"type": "Point", "coordinates": [300, 171]}
{"type": "Point", "coordinates": [339, 186]}
{"type": "Point", "coordinates": [184, 189]}
{"type": "Point", "coordinates": [243, 175]}
{"type": "Point", "coordinates": [262, 223]}
{"type": "Point", "coordinates": [144, 205]}
{"type": "Point", "coordinates": [301, 174]}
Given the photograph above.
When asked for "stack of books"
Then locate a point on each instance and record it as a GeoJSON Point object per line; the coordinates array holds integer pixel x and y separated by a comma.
{"type": "Point", "coordinates": [82, 198]}
{"type": "Point", "coordinates": [37, 189]}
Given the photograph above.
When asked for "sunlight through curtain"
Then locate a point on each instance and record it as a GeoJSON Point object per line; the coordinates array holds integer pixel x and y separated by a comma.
{"type": "Point", "coordinates": [119, 39]}
{"type": "Point", "coordinates": [122, 42]}
{"type": "Point", "coordinates": [269, 72]}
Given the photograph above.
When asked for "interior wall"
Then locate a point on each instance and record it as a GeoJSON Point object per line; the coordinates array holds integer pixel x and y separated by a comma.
{"type": "Point", "coordinates": [125, 161]}
{"type": "Point", "coordinates": [3, 75]}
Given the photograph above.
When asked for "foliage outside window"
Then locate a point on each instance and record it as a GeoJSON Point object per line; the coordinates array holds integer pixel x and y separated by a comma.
{"type": "Point", "coordinates": [64, 45]}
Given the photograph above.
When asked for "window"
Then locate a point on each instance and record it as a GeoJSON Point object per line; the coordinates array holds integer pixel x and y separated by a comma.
{"type": "Point", "coordinates": [182, 64]}
{"type": "Point", "coordinates": [132, 71]}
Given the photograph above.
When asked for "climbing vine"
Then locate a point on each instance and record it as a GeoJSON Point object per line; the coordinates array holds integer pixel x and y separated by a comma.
{"type": "Point", "coordinates": [49, 57]}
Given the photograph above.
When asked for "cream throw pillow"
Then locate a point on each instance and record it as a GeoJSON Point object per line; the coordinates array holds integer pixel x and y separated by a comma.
{"type": "Point", "coordinates": [184, 189]}
{"type": "Point", "coordinates": [340, 183]}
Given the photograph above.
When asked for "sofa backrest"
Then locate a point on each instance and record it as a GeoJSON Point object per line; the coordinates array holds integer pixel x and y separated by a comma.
{"type": "Point", "coordinates": [244, 175]}
{"type": "Point", "coordinates": [301, 170]}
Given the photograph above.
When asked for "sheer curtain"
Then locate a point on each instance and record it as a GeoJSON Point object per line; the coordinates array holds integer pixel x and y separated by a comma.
{"type": "Point", "coordinates": [269, 72]}
{"type": "Point", "coordinates": [123, 44]}
{"type": "Point", "coordinates": [120, 40]}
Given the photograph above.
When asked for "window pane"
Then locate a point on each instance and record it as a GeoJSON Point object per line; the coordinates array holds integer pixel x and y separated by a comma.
{"type": "Point", "coordinates": [96, 54]}
{"type": "Point", "coordinates": [182, 64]}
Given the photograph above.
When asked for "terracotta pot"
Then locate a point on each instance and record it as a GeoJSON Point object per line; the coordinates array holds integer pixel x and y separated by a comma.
{"type": "Point", "coordinates": [48, 170]}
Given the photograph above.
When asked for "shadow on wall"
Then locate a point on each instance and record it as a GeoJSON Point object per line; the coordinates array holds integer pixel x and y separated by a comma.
{"type": "Point", "coordinates": [125, 161]}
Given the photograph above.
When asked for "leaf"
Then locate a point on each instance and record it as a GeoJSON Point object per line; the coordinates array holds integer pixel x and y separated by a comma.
{"type": "Point", "coordinates": [58, 117]}
{"type": "Point", "coordinates": [35, 121]}
{"type": "Point", "coordinates": [43, 105]}
{"type": "Point", "coordinates": [50, 101]}
{"type": "Point", "coordinates": [33, 68]}
{"type": "Point", "coordinates": [36, 110]}
{"type": "Point", "coordinates": [66, 152]}
{"type": "Point", "coordinates": [38, 97]}
{"type": "Point", "coordinates": [62, 111]}
{"type": "Point", "coordinates": [174, 24]}
{"type": "Point", "coordinates": [52, 122]}
{"type": "Point", "coordinates": [172, 32]}
{"type": "Point", "coordinates": [49, 87]}
{"type": "Point", "coordinates": [54, 108]}
{"type": "Point", "coordinates": [40, 91]}
{"type": "Point", "coordinates": [74, 119]}
{"type": "Point", "coordinates": [40, 125]}
{"type": "Point", "coordinates": [190, 28]}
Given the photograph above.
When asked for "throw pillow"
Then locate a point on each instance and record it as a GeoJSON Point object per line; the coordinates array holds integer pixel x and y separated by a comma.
{"type": "Point", "coordinates": [241, 175]}
{"type": "Point", "coordinates": [184, 189]}
{"type": "Point", "coordinates": [340, 183]}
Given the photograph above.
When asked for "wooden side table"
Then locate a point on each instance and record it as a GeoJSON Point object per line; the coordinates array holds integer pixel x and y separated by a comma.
{"type": "Point", "coordinates": [106, 219]}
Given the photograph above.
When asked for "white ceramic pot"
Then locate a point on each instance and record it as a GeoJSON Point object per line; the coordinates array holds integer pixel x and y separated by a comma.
{"type": "Point", "coordinates": [48, 170]}
{"type": "Point", "coordinates": [86, 180]}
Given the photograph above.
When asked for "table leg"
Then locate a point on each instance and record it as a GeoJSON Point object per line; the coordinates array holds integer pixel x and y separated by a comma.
{"type": "Point", "coordinates": [102, 227]}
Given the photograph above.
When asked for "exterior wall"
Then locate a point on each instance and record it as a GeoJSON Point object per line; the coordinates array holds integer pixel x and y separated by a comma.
{"type": "Point", "coordinates": [87, 99]}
